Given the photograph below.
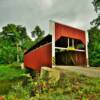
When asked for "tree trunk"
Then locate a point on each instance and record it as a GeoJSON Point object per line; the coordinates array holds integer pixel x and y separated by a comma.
{"type": "Point", "coordinates": [18, 60]}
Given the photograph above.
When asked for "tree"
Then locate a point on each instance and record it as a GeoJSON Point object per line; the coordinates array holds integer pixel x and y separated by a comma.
{"type": "Point", "coordinates": [94, 46]}
{"type": "Point", "coordinates": [7, 53]}
{"type": "Point", "coordinates": [16, 37]}
{"type": "Point", "coordinates": [94, 37]}
{"type": "Point", "coordinates": [15, 34]}
{"type": "Point", "coordinates": [96, 4]}
{"type": "Point", "coordinates": [37, 33]}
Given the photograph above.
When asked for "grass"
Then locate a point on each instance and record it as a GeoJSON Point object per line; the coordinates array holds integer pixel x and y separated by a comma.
{"type": "Point", "coordinates": [10, 72]}
{"type": "Point", "coordinates": [9, 75]}
{"type": "Point", "coordinates": [73, 86]}
{"type": "Point", "coordinates": [70, 86]}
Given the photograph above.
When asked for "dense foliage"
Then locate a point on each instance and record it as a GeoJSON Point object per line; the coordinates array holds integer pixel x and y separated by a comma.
{"type": "Point", "coordinates": [37, 33]}
{"type": "Point", "coordinates": [96, 4]}
{"type": "Point", "coordinates": [94, 46]}
{"type": "Point", "coordinates": [13, 42]}
{"type": "Point", "coordinates": [94, 37]}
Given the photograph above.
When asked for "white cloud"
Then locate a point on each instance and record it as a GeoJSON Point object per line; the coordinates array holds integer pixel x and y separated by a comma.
{"type": "Point", "coordinates": [45, 4]}
{"type": "Point", "coordinates": [77, 13]}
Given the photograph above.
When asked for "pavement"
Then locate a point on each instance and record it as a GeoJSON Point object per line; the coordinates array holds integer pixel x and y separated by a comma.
{"type": "Point", "coordinates": [90, 71]}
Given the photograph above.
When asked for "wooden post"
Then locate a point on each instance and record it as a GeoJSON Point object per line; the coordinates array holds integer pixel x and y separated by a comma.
{"type": "Point", "coordinates": [73, 43]}
{"type": "Point", "coordinates": [87, 41]}
{"type": "Point", "coordinates": [68, 42]}
{"type": "Point", "coordinates": [52, 31]}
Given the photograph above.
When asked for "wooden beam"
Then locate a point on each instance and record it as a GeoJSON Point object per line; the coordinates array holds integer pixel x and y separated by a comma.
{"type": "Point", "coordinates": [72, 42]}
{"type": "Point", "coordinates": [87, 41]}
{"type": "Point", "coordinates": [60, 48]}
{"type": "Point", "coordinates": [68, 42]}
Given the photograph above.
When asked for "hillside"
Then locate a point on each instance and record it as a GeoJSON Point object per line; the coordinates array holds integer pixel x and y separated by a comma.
{"type": "Point", "coordinates": [60, 84]}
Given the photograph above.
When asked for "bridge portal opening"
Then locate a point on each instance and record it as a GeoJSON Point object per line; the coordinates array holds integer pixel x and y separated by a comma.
{"type": "Point", "coordinates": [69, 51]}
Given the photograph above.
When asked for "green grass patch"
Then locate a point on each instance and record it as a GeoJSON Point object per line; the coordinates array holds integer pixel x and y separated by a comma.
{"type": "Point", "coordinates": [10, 75]}
{"type": "Point", "coordinates": [10, 72]}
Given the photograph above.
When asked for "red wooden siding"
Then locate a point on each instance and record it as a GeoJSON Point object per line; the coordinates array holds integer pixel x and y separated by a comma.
{"type": "Point", "coordinates": [39, 57]}
{"type": "Point", "coordinates": [67, 31]}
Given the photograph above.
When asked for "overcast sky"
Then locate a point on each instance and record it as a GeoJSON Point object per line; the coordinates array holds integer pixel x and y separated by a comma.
{"type": "Point", "coordinates": [29, 13]}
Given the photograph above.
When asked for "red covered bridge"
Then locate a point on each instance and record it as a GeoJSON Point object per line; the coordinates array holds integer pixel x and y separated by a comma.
{"type": "Point", "coordinates": [39, 55]}
{"type": "Point", "coordinates": [67, 45]}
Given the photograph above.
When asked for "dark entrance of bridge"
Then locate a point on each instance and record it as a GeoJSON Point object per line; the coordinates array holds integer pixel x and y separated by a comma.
{"type": "Point", "coordinates": [69, 51]}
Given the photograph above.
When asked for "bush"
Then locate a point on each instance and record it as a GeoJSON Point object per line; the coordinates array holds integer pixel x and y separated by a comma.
{"type": "Point", "coordinates": [7, 54]}
{"type": "Point", "coordinates": [94, 47]}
